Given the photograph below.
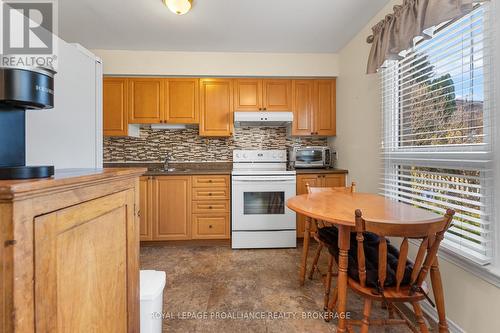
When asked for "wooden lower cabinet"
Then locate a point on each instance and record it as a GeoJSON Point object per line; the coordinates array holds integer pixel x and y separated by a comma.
{"type": "Point", "coordinates": [70, 253]}
{"type": "Point", "coordinates": [146, 208]}
{"type": "Point", "coordinates": [211, 226]}
{"type": "Point", "coordinates": [185, 207]}
{"type": "Point", "coordinates": [315, 180]}
{"type": "Point", "coordinates": [172, 208]}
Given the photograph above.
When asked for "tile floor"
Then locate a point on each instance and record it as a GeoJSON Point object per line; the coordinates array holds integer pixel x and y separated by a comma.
{"type": "Point", "coordinates": [217, 281]}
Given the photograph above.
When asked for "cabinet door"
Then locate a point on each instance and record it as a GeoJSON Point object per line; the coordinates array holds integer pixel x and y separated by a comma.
{"type": "Point", "coordinates": [302, 107]}
{"type": "Point", "coordinates": [145, 209]}
{"type": "Point", "coordinates": [172, 208]}
{"type": "Point", "coordinates": [277, 95]}
{"type": "Point", "coordinates": [216, 107]}
{"type": "Point", "coordinates": [87, 267]}
{"type": "Point", "coordinates": [114, 106]}
{"type": "Point", "coordinates": [247, 95]}
{"type": "Point", "coordinates": [333, 180]}
{"type": "Point", "coordinates": [145, 100]}
{"type": "Point", "coordinates": [182, 101]}
{"type": "Point", "coordinates": [325, 107]}
{"type": "Point", "coordinates": [302, 180]}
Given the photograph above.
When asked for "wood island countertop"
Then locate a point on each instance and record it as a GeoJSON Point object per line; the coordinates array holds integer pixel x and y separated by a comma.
{"type": "Point", "coordinates": [64, 178]}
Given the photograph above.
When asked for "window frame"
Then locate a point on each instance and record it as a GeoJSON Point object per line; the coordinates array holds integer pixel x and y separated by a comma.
{"type": "Point", "coordinates": [488, 157]}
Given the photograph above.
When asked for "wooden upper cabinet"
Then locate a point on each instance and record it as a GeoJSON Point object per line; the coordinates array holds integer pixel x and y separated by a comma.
{"type": "Point", "coordinates": [325, 107]}
{"type": "Point", "coordinates": [314, 107]}
{"type": "Point", "coordinates": [172, 208]}
{"type": "Point", "coordinates": [302, 107]}
{"type": "Point", "coordinates": [114, 104]}
{"type": "Point", "coordinates": [216, 107]}
{"type": "Point", "coordinates": [181, 101]}
{"type": "Point", "coordinates": [247, 94]}
{"type": "Point", "coordinates": [145, 100]}
{"type": "Point", "coordinates": [277, 95]}
{"type": "Point", "coordinates": [262, 95]}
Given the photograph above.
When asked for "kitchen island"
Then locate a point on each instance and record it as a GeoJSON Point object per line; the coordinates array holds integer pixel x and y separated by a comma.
{"type": "Point", "coordinates": [70, 252]}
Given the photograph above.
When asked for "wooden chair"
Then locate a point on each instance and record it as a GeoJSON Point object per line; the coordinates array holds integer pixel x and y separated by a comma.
{"type": "Point", "coordinates": [430, 234]}
{"type": "Point", "coordinates": [327, 278]}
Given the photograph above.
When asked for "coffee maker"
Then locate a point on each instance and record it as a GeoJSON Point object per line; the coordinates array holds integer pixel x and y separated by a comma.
{"type": "Point", "coordinates": [21, 89]}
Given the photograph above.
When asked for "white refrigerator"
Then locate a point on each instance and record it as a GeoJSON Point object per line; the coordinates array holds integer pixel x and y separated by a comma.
{"type": "Point", "coordinates": [70, 134]}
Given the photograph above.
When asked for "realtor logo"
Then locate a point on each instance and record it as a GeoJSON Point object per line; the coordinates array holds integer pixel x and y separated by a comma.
{"type": "Point", "coordinates": [27, 27]}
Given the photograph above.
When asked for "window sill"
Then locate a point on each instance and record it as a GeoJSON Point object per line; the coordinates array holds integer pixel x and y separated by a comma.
{"type": "Point", "coordinates": [488, 273]}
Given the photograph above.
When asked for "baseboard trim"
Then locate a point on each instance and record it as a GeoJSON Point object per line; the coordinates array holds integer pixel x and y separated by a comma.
{"type": "Point", "coordinates": [432, 312]}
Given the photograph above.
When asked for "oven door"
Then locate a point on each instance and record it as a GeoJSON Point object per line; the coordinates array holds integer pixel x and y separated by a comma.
{"type": "Point", "coordinates": [259, 203]}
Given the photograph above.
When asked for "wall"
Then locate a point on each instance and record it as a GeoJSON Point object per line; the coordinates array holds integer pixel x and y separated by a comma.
{"type": "Point", "coordinates": [187, 146]}
{"type": "Point", "coordinates": [123, 62]}
{"type": "Point", "coordinates": [471, 303]}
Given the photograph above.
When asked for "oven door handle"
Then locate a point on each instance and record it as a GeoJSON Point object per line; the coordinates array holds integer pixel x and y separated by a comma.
{"type": "Point", "coordinates": [290, 180]}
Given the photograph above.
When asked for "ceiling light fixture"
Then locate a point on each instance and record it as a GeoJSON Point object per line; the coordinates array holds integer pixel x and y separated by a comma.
{"type": "Point", "coordinates": [179, 7]}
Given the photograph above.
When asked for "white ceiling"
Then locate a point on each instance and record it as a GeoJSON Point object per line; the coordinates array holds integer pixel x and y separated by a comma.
{"type": "Point", "coordinates": [300, 26]}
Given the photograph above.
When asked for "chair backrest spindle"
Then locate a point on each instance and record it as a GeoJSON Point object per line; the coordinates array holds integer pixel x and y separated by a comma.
{"type": "Point", "coordinates": [382, 260]}
{"type": "Point", "coordinates": [403, 255]}
{"type": "Point", "coordinates": [360, 226]}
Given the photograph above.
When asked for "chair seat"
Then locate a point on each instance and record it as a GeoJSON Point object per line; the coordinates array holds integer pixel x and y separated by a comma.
{"type": "Point", "coordinates": [390, 293]}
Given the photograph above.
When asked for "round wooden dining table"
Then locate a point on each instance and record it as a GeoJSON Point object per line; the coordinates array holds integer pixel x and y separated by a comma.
{"type": "Point", "coordinates": [337, 208]}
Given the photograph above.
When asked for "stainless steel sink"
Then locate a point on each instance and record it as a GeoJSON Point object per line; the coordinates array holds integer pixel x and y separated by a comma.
{"type": "Point", "coordinates": [162, 170]}
{"type": "Point", "coordinates": [176, 170]}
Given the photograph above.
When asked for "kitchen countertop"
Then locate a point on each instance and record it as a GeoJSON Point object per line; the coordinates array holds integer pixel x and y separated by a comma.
{"type": "Point", "coordinates": [155, 168]}
{"type": "Point", "coordinates": [328, 170]}
{"type": "Point", "coordinates": [202, 168]}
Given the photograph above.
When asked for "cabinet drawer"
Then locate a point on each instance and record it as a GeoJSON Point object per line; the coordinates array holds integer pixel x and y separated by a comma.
{"type": "Point", "coordinates": [208, 207]}
{"type": "Point", "coordinates": [211, 181]}
{"type": "Point", "coordinates": [211, 193]}
{"type": "Point", "coordinates": [211, 226]}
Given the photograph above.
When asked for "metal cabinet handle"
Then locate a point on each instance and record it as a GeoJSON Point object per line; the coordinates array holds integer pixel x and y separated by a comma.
{"type": "Point", "coordinates": [139, 213]}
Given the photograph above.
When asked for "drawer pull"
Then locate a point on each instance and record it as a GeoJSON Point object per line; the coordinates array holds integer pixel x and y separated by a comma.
{"type": "Point", "coordinates": [210, 193]}
{"type": "Point", "coordinates": [209, 207]}
{"type": "Point", "coordinates": [210, 226]}
{"type": "Point", "coordinates": [210, 180]}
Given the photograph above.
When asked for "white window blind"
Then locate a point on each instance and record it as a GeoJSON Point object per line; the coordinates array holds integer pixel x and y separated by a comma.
{"type": "Point", "coordinates": [437, 147]}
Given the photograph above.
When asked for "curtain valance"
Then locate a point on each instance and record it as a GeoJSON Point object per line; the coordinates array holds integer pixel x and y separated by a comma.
{"type": "Point", "coordinates": [396, 31]}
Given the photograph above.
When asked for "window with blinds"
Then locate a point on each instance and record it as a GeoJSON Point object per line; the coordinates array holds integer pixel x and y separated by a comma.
{"type": "Point", "coordinates": [436, 145]}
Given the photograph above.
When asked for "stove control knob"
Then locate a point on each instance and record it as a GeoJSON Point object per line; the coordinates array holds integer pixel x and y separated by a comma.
{"type": "Point", "coordinates": [237, 155]}
{"type": "Point", "coordinates": [275, 155]}
{"type": "Point", "coordinates": [245, 155]}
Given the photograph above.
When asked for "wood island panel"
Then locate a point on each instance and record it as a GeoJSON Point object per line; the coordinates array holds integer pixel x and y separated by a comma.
{"type": "Point", "coordinates": [55, 242]}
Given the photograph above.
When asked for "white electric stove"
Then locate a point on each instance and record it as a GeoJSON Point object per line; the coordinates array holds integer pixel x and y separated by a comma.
{"type": "Point", "coordinates": [261, 185]}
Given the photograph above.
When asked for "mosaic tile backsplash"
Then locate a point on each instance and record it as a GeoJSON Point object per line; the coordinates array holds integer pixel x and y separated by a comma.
{"type": "Point", "coordinates": [185, 145]}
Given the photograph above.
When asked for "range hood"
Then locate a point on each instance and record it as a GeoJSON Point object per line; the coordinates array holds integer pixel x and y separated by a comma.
{"type": "Point", "coordinates": [261, 119]}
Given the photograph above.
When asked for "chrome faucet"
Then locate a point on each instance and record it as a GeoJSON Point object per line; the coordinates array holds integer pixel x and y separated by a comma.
{"type": "Point", "coordinates": [166, 164]}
